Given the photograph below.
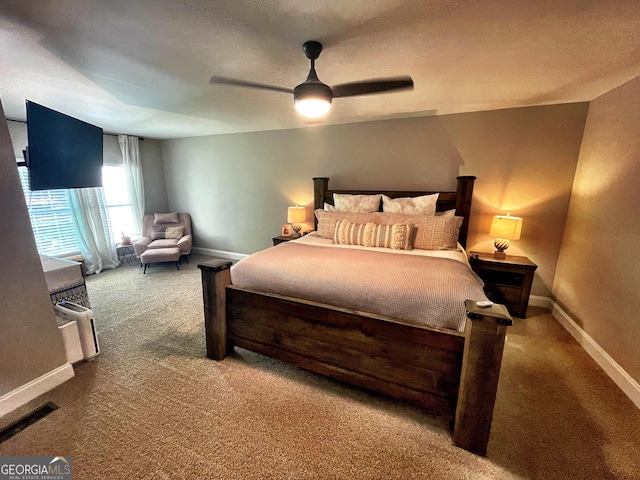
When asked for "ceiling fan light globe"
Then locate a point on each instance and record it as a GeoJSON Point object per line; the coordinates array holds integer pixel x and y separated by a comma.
{"type": "Point", "coordinates": [313, 107]}
{"type": "Point", "coordinates": [312, 98]}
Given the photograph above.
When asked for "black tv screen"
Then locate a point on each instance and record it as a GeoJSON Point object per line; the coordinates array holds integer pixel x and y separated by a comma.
{"type": "Point", "coordinates": [63, 152]}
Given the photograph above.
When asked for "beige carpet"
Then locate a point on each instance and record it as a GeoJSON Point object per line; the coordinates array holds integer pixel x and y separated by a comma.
{"type": "Point", "coordinates": [152, 406]}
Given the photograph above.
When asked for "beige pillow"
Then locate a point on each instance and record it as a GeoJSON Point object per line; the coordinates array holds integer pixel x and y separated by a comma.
{"type": "Point", "coordinates": [165, 218]}
{"type": "Point", "coordinates": [174, 232]}
{"type": "Point", "coordinates": [447, 213]}
{"type": "Point", "coordinates": [327, 220]}
{"type": "Point", "coordinates": [344, 202]}
{"type": "Point", "coordinates": [431, 232]}
{"type": "Point", "coordinates": [396, 236]}
{"type": "Point", "coordinates": [349, 233]}
{"type": "Point", "coordinates": [158, 232]}
{"type": "Point", "coordinates": [424, 205]}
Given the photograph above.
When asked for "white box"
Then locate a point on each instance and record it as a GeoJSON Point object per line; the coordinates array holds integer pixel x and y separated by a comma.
{"type": "Point", "coordinates": [71, 339]}
{"type": "Point", "coordinates": [83, 317]}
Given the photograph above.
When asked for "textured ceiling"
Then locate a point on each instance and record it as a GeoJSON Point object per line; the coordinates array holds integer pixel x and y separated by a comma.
{"type": "Point", "coordinates": [143, 67]}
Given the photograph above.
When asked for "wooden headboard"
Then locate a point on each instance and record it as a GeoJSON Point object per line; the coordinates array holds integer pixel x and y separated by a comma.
{"type": "Point", "coordinates": [460, 199]}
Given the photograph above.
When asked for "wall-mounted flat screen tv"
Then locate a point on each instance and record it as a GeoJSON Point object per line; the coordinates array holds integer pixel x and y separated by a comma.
{"type": "Point", "coordinates": [63, 152]}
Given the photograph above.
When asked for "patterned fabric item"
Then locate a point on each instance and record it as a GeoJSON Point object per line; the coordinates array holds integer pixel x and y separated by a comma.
{"type": "Point", "coordinates": [396, 236]}
{"type": "Point", "coordinates": [158, 232]}
{"type": "Point", "coordinates": [348, 233]}
{"type": "Point", "coordinates": [345, 202]}
{"type": "Point", "coordinates": [174, 232]}
{"type": "Point", "coordinates": [424, 205]}
{"type": "Point", "coordinates": [327, 220]}
{"type": "Point", "coordinates": [431, 232]}
{"type": "Point", "coordinates": [165, 218]}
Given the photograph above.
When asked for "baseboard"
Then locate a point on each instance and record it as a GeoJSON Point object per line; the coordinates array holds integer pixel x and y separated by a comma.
{"type": "Point", "coordinates": [219, 253]}
{"type": "Point", "coordinates": [24, 394]}
{"type": "Point", "coordinates": [628, 385]}
{"type": "Point", "coordinates": [539, 301]}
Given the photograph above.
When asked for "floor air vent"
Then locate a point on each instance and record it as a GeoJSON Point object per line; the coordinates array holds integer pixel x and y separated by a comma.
{"type": "Point", "coordinates": [29, 419]}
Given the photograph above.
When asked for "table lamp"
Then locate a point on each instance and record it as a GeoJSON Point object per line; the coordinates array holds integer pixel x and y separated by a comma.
{"type": "Point", "coordinates": [504, 228]}
{"type": "Point", "coordinates": [295, 216]}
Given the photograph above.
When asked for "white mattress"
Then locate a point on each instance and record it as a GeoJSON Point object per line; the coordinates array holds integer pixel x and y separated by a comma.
{"type": "Point", "coordinates": [60, 274]}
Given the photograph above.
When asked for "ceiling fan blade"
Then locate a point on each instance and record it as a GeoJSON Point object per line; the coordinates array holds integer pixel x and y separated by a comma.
{"type": "Point", "coordinates": [367, 87]}
{"type": "Point", "coordinates": [216, 79]}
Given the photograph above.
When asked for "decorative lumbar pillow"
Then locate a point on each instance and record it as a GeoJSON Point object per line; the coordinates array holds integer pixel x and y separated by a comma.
{"type": "Point", "coordinates": [345, 202]}
{"type": "Point", "coordinates": [424, 205]}
{"type": "Point", "coordinates": [174, 232]}
{"type": "Point", "coordinates": [327, 220]}
{"type": "Point", "coordinates": [396, 236]}
{"type": "Point", "coordinates": [431, 232]}
{"type": "Point", "coordinates": [158, 233]}
{"type": "Point", "coordinates": [165, 218]}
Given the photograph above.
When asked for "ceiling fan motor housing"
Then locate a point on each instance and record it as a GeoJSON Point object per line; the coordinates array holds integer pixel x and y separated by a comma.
{"type": "Point", "coordinates": [315, 90]}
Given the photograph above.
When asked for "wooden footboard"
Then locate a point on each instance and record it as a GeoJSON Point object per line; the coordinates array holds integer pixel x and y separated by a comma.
{"type": "Point", "coordinates": [442, 371]}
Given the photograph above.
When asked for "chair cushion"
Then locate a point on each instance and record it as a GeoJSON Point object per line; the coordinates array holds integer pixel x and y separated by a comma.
{"type": "Point", "coordinates": [163, 243]}
{"type": "Point", "coordinates": [160, 255]}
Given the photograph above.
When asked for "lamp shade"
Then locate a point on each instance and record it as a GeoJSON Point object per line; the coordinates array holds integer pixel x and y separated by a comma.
{"type": "Point", "coordinates": [506, 226]}
{"type": "Point", "coordinates": [296, 215]}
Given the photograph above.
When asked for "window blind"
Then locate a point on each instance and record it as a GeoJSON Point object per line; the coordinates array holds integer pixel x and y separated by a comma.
{"type": "Point", "coordinates": [51, 220]}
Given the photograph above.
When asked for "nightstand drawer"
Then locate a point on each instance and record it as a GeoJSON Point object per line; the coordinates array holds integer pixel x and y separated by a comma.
{"type": "Point", "coordinates": [502, 294]}
{"type": "Point", "coordinates": [501, 277]}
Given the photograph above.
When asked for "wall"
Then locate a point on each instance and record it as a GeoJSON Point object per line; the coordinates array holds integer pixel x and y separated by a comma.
{"type": "Point", "coordinates": [30, 344]}
{"type": "Point", "coordinates": [155, 189]}
{"type": "Point", "coordinates": [237, 187]}
{"type": "Point", "coordinates": [598, 275]}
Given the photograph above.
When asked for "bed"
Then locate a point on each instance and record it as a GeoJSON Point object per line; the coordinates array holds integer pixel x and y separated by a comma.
{"type": "Point", "coordinates": [446, 370]}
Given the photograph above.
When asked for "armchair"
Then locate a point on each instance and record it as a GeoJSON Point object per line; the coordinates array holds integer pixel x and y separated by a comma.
{"type": "Point", "coordinates": [165, 230]}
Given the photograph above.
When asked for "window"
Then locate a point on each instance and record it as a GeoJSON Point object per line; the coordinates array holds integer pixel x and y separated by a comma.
{"type": "Point", "coordinates": [118, 199]}
{"type": "Point", "coordinates": [50, 212]}
{"type": "Point", "coordinates": [51, 221]}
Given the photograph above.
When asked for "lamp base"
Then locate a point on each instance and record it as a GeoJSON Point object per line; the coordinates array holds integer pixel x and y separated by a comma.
{"type": "Point", "coordinates": [501, 245]}
{"type": "Point", "coordinates": [295, 233]}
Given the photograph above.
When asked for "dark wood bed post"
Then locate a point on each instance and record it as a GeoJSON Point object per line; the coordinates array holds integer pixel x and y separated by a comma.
{"type": "Point", "coordinates": [485, 332]}
{"type": "Point", "coordinates": [215, 278]}
{"type": "Point", "coordinates": [320, 186]}
{"type": "Point", "coordinates": [463, 205]}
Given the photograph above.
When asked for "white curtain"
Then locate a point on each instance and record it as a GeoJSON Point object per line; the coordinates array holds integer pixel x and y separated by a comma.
{"type": "Point", "coordinates": [133, 170]}
{"type": "Point", "coordinates": [89, 214]}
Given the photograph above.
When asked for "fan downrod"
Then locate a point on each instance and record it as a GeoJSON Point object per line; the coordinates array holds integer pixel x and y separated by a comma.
{"type": "Point", "coordinates": [312, 49]}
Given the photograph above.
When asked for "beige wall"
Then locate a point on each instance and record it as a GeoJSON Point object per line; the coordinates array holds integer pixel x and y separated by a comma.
{"type": "Point", "coordinates": [30, 344]}
{"type": "Point", "coordinates": [598, 274]}
{"type": "Point", "coordinates": [237, 187]}
{"type": "Point", "coordinates": [155, 189]}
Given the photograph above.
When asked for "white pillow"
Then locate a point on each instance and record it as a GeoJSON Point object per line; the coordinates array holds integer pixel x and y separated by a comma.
{"type": "Point", "coordinates": [345, 202]}
{"type": "Point", "coordinates": [329, 208]}
{"type": "Point", "coordinates": [424, 205]}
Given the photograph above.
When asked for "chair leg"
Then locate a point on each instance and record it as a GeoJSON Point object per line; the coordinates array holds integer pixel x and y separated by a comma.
{"type": "Point", "coordinates": [178, 265]}
{"type": "Point", "coordinates": [186, 258]}
{"type": "Point", "coordinates": [145, 268]}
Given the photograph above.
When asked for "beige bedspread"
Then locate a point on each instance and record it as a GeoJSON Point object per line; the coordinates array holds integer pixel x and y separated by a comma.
{"type": "Point", "coordinates": [417, 289]}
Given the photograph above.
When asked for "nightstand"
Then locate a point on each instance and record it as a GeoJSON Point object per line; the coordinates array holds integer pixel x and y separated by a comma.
{"type": "Point", "coordinates": [507, 280]}
{"type": "Point", "coordinates": [281, 239]}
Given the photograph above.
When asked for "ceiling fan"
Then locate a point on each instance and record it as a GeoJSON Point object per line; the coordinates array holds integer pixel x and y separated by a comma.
{"type": "Point", "coordinates": [313, 98]}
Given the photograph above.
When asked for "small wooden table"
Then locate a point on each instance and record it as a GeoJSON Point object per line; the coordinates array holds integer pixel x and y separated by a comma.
{"type": "Point", "coordinates": [506, 280]}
